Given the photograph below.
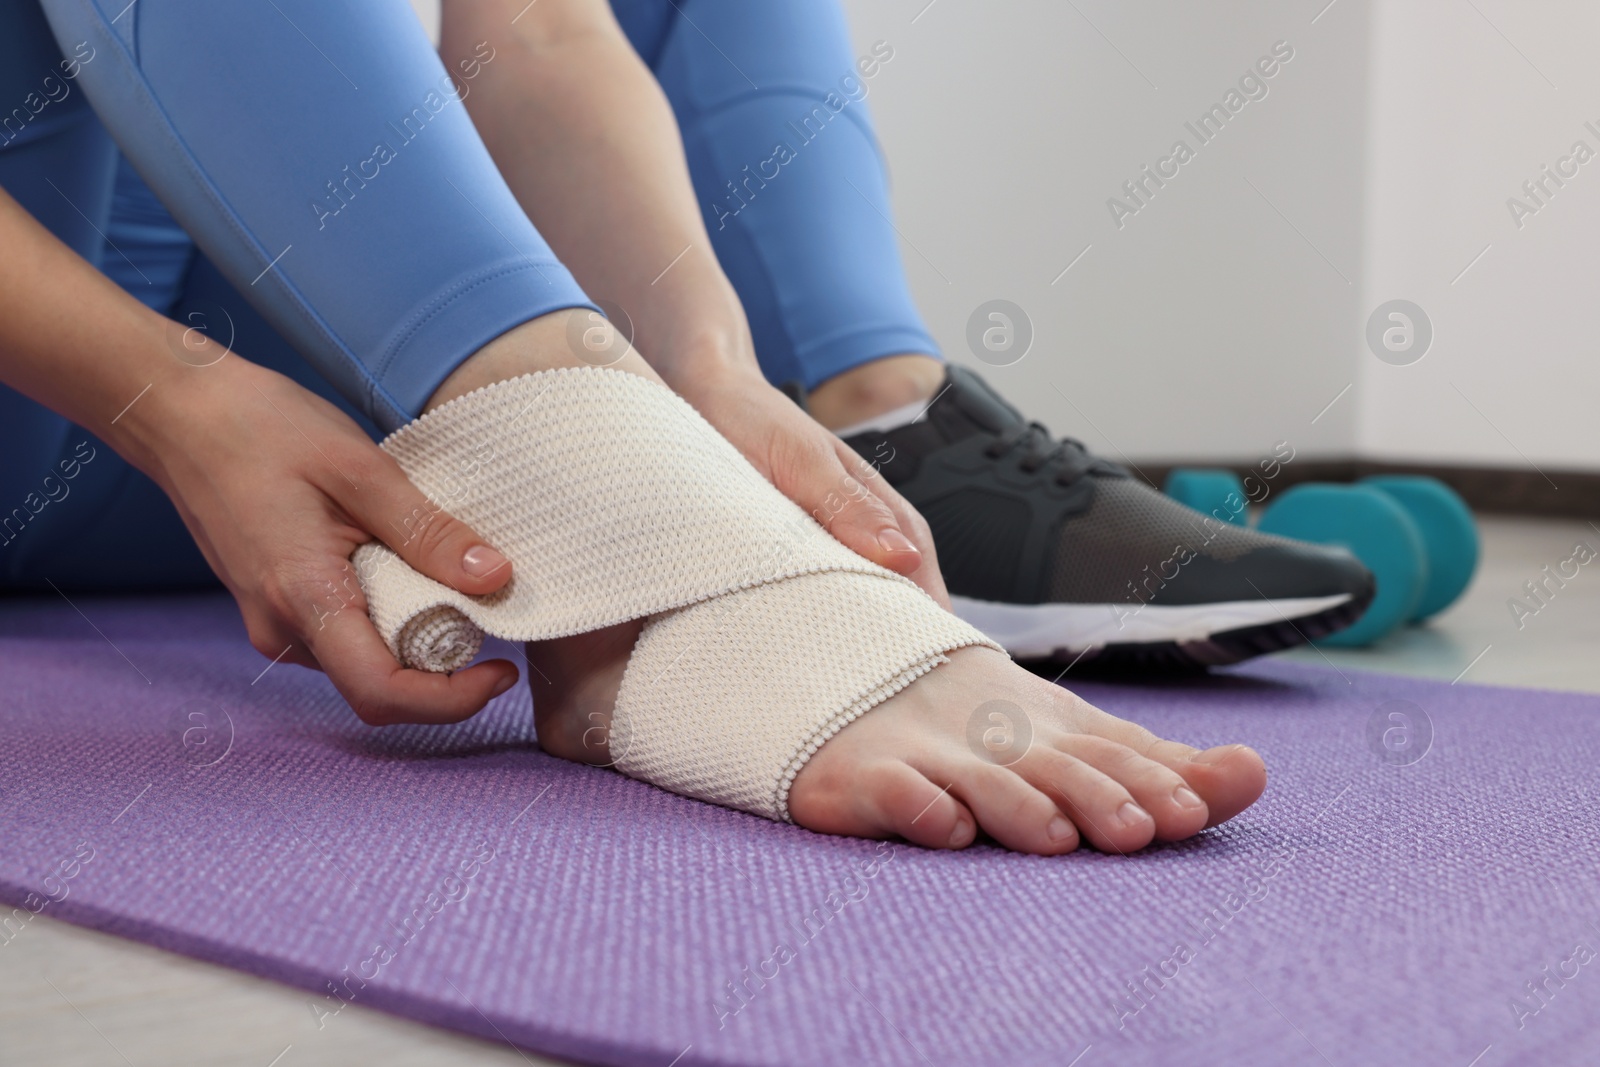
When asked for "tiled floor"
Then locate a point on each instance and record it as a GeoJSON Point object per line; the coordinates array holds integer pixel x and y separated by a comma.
{"type": "Point", "coordinates": [69, 997]}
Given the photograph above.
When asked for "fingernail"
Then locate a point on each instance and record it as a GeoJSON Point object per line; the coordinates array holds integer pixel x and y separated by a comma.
{"type": "Point", "coordinates": [961, 835]}
{"type": "Point", "coordinates": [1131, 814]}
{"type": "Point", "coordinates": [892, 540]}
{"type": "Point", "coordinates": [505, 683]}
{"type": "Point", "coordinates": [1059, 829]}
{"type": "Point", "coordinates": [480, 561]}
{"type": "Point", "coordinates": [1215, 755]}
{"type": "Point", "coordinates": [1186, 798]}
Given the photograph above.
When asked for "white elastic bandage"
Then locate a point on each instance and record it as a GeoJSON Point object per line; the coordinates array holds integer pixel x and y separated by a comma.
{"type": "Point", "coordinates": [615, 500]}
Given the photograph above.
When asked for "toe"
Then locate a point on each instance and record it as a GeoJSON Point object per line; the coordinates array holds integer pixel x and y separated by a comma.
{"type": "Point", "coordinates": [1105, 811]}
{"type": "Point", "coordinates": [1228, 778]}
{"type": "Point", "coordinates": [1009, 808]}
{"type": "Point", "coordinates": [884, 798]}
{"type": "Point", "coordinates": [1177, 810]}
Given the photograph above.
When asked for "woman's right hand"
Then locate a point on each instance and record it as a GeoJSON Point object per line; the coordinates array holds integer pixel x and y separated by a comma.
{"type": "Point", "coordinates": [279, 487]}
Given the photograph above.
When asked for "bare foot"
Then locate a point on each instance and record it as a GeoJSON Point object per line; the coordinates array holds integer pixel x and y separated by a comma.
{"type": "Point", "coordinates": [1070, 773]}
{"type": "Point", "coordinates": [910, 766]}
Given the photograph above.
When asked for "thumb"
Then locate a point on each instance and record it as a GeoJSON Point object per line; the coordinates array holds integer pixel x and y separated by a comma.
{"type": "Point", "coordinates": [428, 538]}
{"type": "Point", "coordinates": [855, 515]}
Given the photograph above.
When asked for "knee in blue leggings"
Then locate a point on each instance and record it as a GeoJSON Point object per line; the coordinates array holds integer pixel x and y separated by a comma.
{"type": "Point", "coordinates": [353, 203]}
{"type": "Point", "coordinates": [320, 156]}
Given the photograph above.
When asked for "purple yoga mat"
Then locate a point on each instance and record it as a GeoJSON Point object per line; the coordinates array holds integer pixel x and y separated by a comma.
{"type": "Point", "coordinates": [1373, 908]}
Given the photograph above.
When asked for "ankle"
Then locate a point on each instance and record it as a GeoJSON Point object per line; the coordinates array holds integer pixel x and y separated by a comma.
{"type": "Point", "coordinates": [870, 390]}
{"type": "Point", "coordinates": [575, 681]}
{"type": "Point", "coordinates": [571, 337]}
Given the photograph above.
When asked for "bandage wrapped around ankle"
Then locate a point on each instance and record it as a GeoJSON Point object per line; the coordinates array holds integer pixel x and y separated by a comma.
{"type": "Point", "coordinates": [614, 500]}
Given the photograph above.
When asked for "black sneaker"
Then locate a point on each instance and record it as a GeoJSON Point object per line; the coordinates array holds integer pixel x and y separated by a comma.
{"type": "Point", "coordinates": [1060, 555]}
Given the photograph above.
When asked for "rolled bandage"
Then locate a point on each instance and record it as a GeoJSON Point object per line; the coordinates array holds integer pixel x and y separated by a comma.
{"type": "Point", "coordinates": [614, 500]}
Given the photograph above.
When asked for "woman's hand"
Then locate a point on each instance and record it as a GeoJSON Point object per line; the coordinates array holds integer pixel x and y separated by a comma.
{"type": "Point", "coordinates": [812, 467]}
{"type": "Point", "coordinates": [278, 487]}
{"type": "Point", "coordinates": [587, 141]}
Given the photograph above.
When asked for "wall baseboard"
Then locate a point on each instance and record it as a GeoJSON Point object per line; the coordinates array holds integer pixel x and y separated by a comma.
{"type": "Point", "coordinates": [1555, 493]}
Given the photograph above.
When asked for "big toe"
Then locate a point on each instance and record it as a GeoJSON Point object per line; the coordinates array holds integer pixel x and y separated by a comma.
{"type": "Point", "coordinates": [1229, 778]}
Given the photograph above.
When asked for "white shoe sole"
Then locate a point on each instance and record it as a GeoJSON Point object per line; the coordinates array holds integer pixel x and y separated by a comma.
{"type": "Point", "coordinates": [1032, 631]}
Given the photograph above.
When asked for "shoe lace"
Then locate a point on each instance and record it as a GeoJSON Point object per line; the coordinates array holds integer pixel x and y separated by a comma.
{"type": "Point", "coordinates": [1069, 456]}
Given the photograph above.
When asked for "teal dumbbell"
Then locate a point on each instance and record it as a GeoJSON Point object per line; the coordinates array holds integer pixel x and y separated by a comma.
{"type": "Point", "coordinates": [1211, 491]}
{"type": "Point", "coordinates": [1414, 534]}
{"type": "Point", "coordinates": [1449, 536]}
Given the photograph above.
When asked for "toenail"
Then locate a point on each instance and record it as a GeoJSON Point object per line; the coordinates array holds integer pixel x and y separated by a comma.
{"type": "Point", "coordinates": [1060, 829]}
{"type": "Point", "coordinates": [1186, 798]}
{"type": "Point", "coordinates": [961, 835]}
{"type": "Point", "coordinates": [1131, 814]}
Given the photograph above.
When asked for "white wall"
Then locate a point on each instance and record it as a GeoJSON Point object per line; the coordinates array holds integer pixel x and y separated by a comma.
{"type": "Point", "coordinates": [1208, 325]}
{"type": "Point", "coordinates": [1462, 115]}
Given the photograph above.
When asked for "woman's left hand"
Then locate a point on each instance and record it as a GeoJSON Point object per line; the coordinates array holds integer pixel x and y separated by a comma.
{"type": "Point", "coordinates": [812, 467]}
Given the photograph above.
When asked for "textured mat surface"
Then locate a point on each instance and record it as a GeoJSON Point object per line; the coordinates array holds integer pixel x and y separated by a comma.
{"type": "Point", "coordinates": [154, 783]}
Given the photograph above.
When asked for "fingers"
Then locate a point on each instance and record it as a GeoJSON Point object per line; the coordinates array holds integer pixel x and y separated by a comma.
{"type": "Point", "coordinates": [855, 514]}
{"type": "Point", "coordinates": [911, 522]}
{"type": "Point", "coordinates": [822, 474]}
{"type": "Point", "coordinates": [869, 517]}
{"type": "Point", "coordinates": [285, 649]}
{"type": "Point", "coordinates": [294, 617]}
{"type": "Point", "coordinates": [382, 693]}
{"type": "Point", "coordinates": [273, 634]}
{"type": "Point", "coordinates": [422, 533]}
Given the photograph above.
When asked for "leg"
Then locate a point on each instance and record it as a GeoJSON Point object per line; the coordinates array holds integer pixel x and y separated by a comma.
{"type": "Point", "coordinates": [772, 103]}
{"type": "Point", "coordinates": [81, 517]}
{"type": "Point", "coordinates": [76, 514]}
{"type": "Point", "coordinates": [303, 217]}
{"type": "Point", "coordinates": [120, 531]}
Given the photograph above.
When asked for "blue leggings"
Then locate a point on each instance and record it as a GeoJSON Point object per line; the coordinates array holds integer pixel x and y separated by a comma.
{"type": "Point", "coordinates": [354, 234]}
